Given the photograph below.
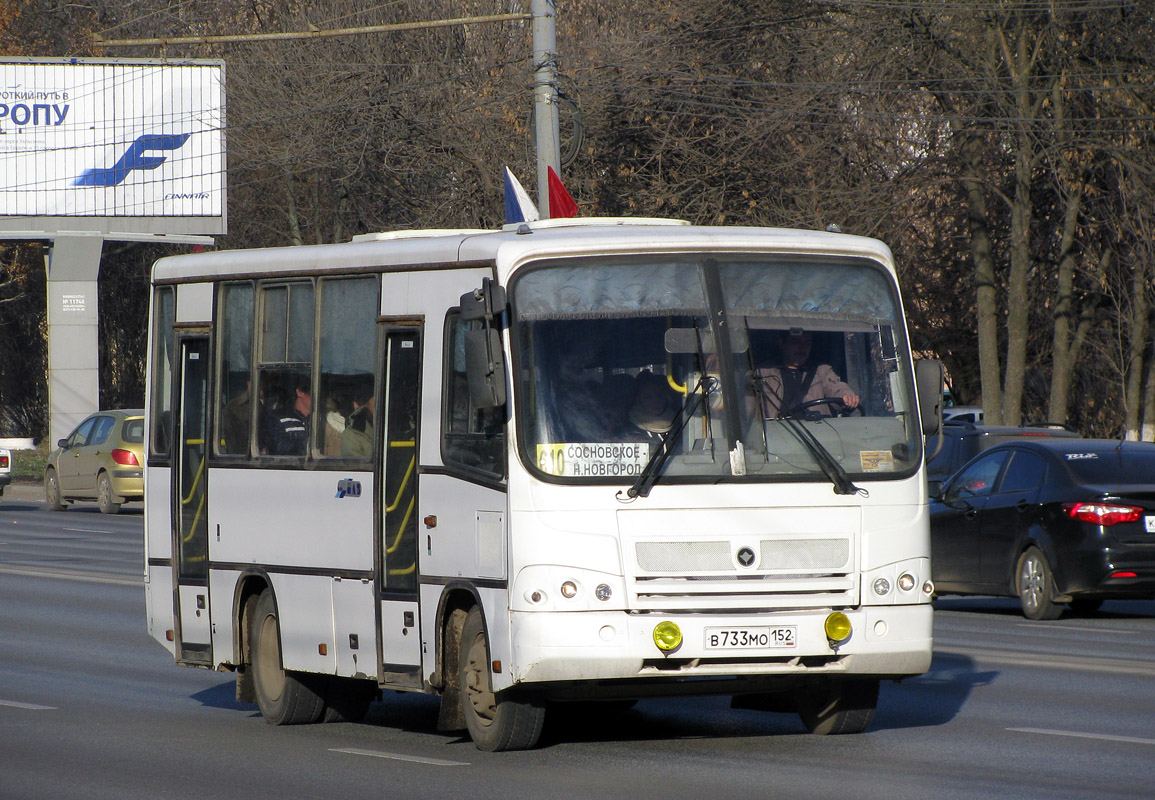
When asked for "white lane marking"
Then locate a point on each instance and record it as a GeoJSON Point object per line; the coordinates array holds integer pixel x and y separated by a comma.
{"type": "Point", "coordinates": [437, 762]}
{"type": "Point", "coordinates": [88, 530]}
{"type": "Point", "coordinates": [1075, 734]}
{"type": "Point", "coordinates": [1065, 628]}
{"type": "Point", "coordinates": [71, 575]}
{"type": "Point", "coordinates": [1114, 666]}
{"type": "Point", "coordinates": [26, 706]}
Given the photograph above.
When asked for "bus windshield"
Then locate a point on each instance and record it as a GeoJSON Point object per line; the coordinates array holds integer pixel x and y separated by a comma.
{"type": "Point", "coordinates": [709, 368]}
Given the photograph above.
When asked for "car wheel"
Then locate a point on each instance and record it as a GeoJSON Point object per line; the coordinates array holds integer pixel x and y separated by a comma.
{"type": "Point", "coordinates": [285, 698]}
{"type": "Point", "coordinates": [496, 720]}
{"type": "Point", "coordinates": [104, 495]}
{"type": "Point", "coordinates": [52, 491]}
{"type": "Point", "coordinates": [1036, 586]}
{"type": "Point", "coordinates": [838, 706]}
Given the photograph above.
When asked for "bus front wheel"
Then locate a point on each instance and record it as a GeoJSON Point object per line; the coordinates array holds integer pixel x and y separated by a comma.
{"type": "Point", "coordinates": [838, 706]}
{"type": "Point", "coordinates": [496, 720]}
{"type": "Point", "coordinates": [284, 697]}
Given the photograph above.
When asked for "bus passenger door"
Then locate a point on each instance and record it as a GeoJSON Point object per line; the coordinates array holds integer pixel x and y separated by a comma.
{"type": "Point", "coordinates": [400, 626]}
{"type": "Point", "coordinates": [189, 492]}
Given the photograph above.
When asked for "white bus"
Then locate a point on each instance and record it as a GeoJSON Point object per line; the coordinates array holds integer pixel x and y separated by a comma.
{"type": "Point", "coordinates": [541, 465]}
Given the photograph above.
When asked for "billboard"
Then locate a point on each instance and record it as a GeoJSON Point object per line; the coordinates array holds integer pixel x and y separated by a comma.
{"type": "Point", "coordinates": [112, 141]}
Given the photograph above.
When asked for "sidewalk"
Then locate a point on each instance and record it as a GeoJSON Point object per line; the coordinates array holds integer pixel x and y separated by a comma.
{"type": "Point", "coordinates": [24, 491]}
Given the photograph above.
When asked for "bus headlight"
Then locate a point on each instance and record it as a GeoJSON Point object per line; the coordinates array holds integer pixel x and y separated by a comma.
{"type": "Point", "coordinates": [881, 587]}
{"type": "Point", "coordinates": [667, 636]}
{"type": "Point", "coordinates": [837, 628]}
{"type": "Point", "coordinates": [906, 581]}
{"type": "Point", "coordinates": [569, 589]}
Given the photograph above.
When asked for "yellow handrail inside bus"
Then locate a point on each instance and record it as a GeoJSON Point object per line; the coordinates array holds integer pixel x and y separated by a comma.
{"type": "Point", "coordinates": [188, 534]}
{"type": "Point", "coordinates": [401, 528]}
{"type": "Point", "coordinates": [404, 483]}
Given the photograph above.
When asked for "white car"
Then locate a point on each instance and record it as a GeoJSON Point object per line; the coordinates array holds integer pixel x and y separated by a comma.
{"type": "Point", "coordinates": [963, 414]}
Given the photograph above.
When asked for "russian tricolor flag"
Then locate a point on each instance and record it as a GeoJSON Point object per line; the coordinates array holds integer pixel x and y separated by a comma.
{"type": "Point", "coordinates": [518, 206]}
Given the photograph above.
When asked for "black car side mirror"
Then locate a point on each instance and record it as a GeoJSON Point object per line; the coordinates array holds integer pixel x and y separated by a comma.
{"type": "Point", "coordinates": [934, 489]}
{"type": "Point", "coordinates": [63, 444]}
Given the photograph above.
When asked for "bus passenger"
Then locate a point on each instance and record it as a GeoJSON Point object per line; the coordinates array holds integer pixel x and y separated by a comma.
{"type": "Point", "coordinates": [654, 408]}
{"type": "Point", "coordinates": [289, 426]}
{"type": "Point", "coordinates": [357, 439]}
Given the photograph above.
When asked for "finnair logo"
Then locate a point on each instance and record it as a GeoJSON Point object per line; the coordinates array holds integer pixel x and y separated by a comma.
{"type": "Point", "coordinates": [133, 158]}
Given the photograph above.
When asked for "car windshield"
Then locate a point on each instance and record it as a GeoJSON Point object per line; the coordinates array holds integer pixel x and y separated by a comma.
{"type": "Point", "coordinates": [620, 358]}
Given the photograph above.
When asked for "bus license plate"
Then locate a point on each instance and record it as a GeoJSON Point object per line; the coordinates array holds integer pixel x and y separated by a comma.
{"type": "Point", "coordinates": [751, 638]}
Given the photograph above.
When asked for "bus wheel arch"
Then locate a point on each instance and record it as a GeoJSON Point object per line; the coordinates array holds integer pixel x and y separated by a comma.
{"type": "Point", "coordinates": [453, 608]}
{"type": "Point", "coordinates": [497, 721]}
{"type": "Point", "coordinates": [284, 697]}
{"type": "Point", "coordinates": [247, 593]}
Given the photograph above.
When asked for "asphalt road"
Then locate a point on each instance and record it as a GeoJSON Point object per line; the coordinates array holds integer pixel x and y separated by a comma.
{"type": "Point", "coordinates": [91, 707]}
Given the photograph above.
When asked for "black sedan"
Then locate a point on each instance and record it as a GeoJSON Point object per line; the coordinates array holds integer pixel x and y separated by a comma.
{"type": "Point", "coordinates": [1052, 522]}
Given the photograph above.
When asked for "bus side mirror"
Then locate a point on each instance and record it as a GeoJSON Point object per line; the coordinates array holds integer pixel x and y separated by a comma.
{"type": "Point", "coordinates": [485, 368]}
{"type": "Point", "coordinates": [487, 303]}
{"type": "Point", "coordinates": [484, 362]}
{"type": "Point", "coordinates": [928, 384]}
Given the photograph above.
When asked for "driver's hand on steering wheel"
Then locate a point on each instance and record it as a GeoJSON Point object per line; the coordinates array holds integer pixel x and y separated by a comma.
{"type": "Point", "coordinates": [850, 400]}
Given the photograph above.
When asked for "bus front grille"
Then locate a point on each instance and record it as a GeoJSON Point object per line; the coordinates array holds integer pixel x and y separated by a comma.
{"type": "Point", "coordinates": [789, 572]}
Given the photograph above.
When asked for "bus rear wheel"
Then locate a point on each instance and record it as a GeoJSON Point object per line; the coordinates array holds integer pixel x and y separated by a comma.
{"type": "Point", "coordinates": [285, 698]}
{"type": "Point", "coordinates": [838, 706]}
{"type": "Point", "coordinates": [347, 699]}
{"type": "Point", "coordinates": [496, 720]}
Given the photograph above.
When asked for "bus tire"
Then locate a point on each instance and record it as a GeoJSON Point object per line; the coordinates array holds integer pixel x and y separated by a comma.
{"type": "Point", "coordinates": [496, 721]}
{"type": "Point", "coordinates": [833, 707]}
{"type": "Point", "coordinates": [285, 698]}
{"type": "Point", "coordinates": [347, 699]}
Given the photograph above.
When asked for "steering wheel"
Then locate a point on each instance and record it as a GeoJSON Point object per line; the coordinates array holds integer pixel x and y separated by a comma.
{"type": "Point", "coordinates": [837, 406]}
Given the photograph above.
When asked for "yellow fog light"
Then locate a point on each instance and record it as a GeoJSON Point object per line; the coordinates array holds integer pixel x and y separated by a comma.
{"type": "Point", "coordinates": [837, 627]}
{"type": "Point", "coordinates": [667, 636]}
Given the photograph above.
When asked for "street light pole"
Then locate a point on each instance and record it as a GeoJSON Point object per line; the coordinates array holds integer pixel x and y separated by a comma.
{"type": "Point", "coordinates": [545, 97]}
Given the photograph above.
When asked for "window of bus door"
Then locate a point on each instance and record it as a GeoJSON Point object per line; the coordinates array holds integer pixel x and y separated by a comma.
{"type": "Point", "coordinates": [163, 342]}
{"type": "Point", "coordinates": [345, 396]}
{"type": "Point", "coordinates": [471, 437]}
{"type": "Point", "coordinates": [284, 371]}
{"type": "Point", "coordinates": [617, 358]}
{"type": "Point", "coordinates": [234, 410]}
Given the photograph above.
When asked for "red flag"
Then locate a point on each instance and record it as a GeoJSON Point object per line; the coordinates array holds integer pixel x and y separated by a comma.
{"type": "Point", "coordinates": [560, 202]}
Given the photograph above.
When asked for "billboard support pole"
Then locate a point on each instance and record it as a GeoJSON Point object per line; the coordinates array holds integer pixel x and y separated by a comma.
{"type": "Point", "coordinates": [73, 267]}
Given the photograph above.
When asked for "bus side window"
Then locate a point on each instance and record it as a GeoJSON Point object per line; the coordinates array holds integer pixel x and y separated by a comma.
{"type": "Point", "coordinates": [160, 437]}
{"type": "Point", "coordinates": [234, 382]}
{"type": "Point", "coordinates": [344, 400]}
{"type": "Point", "coordinates": [471, 437]}
{"type": "Point", "coordinates": [284, 374]}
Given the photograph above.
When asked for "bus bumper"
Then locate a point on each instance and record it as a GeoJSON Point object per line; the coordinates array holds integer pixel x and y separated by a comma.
{"type": "Point", "coordinates": [886, 641]}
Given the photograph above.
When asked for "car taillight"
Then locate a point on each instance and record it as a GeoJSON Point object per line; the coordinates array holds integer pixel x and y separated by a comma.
{"type": "Point", "coordinates": [1102, 513]}
{"type": "Point", "coordinates": [125, 457]}
{"type": "Point", "coordinates": [4, 462]}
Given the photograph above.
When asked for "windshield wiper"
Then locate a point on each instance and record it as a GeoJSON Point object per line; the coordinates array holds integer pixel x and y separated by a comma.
{"type": "Point", "coordinates": [822, 456]}
{"type": "Point", "coordinates": [659, 457]}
